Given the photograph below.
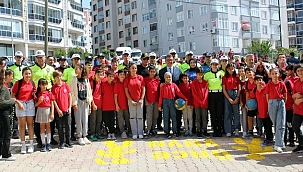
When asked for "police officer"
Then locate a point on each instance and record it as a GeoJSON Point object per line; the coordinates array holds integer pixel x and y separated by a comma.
{"type": "Point", "coordinates": [126, 60]}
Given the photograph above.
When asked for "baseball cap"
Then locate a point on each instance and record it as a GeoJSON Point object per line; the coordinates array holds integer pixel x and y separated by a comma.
{"type": "Point", "coordinates": [19, 53]}
{"type": "Point", "coordinates": [172, 51]}
{"type": "Point", "coordinates": [208, 55]}
{"type": "Point", "coordinates": [62, 58]}
{"type": "Point", "coordinates": [40, 53]}
{"type": "Point", "coordinates": [223, 58]}
{"type": "Point", "coordinates": [75, 56]}
{"type": "Point", "coordinates": [144, 55]}
{"type": "Point", "coordinates": [89, 58]}
{"type": "Point", "coordinates": [152, 54]}
{"type": "Point", "coordinates": [126, 52]}
{"type": "Point", "coordinates": [101, 55]}
{"type": "Point", "coordinates": [189, 52]}
{"type": "Point", "coordinates": [214, 61]}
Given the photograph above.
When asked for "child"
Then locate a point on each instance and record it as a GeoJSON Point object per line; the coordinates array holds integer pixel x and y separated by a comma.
{"type": "Point", "coordinates": [168, 93]}
{"type": "Point", "coordinates": [231, 89]}
{"type": "Point", "coordinates": [243, 116]}
{"type": "Point", "coordinates": [108, 105]}
{"type": "Point", "coordinates": [276, 95]}
{"type": "Point", "coordinates": [249, 87]}
{"type": "Point", "coordinates": [89, 69]}
{"type": "Point", "coordinates": [185, 88]}
{"type": "Point", "coordinates": [263, 109]}
{"type": "Point", "coordinates": [298, 107]}
{"type": "Point", "coordinates": [151, 100]}
{"type": "Point", "coordinates": [63, 106]}
{"type": "Point", "coordinates": [81, 101]}
{"type": "Point", "coordinates": [45, 112]}
{"type": "Point", "coordinates": [121, 104]}
{"type": "Point", "coordinates": [200, 101]}
{"type": "Point", "coordinates": [96, 115]}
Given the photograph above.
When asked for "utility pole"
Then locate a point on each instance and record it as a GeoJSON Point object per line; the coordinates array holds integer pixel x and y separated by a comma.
{"type": "Point", "coordinates": [222, 8]}
{"type": "Point", "coordinates": [46, 29]}
{"type": "Point", "coordinates": [12, 33]}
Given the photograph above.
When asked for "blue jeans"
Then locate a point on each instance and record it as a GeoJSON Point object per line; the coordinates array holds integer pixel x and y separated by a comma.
{"type": "Point", "coordinates": [277, 114]}
{"type": "Point", "coordinates": [169, 112]}
{"type": "Point", "coordinates": [136, 118]}
{"type": "Point", "coordinates": [231, 112]}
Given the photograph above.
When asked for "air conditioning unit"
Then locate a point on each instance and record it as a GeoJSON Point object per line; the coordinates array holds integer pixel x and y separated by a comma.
{"type": "Point", "coordinates": [213, 31]}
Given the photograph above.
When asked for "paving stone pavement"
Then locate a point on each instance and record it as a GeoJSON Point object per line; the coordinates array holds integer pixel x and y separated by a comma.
{"type": "Point", "coordinates": [159, 154]}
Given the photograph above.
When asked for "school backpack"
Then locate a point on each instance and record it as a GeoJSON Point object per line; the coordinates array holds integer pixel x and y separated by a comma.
{"type": "Point", "coordinates": [20, 85]}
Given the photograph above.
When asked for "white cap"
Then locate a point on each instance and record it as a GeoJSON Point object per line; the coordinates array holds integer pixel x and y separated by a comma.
{"type": "Point", "coordinates": [214, 61]}
{"type": "Point", "coordinates": [171, 51]}
{"type": "Point", "coordinates": [223, 58]}
{"type": "Point", "coordinates": [126, 52]}
{"type": "Point", "coordinates": [19, 53]}
{"type": "Point", "coordinates": [40, 53]}
{"type": "Point", "coordinates": [189, 52]}
{"type": "Point", "coordinates": [75, 56]}
{"type": "Point", "coordinates": [152, 54]}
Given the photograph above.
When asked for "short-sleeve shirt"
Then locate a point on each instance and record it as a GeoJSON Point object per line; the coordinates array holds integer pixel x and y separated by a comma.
{"type": "Point", "coordinates": [134, 85]}
{"type": "Point", "coordinates": [82, 90]}
{"type": "Point", "coordinates": [47, 101]}
{"type": "Point", "coordinates": [231, 82]}
{"type": "Point", "coordinates": [214, 80]}
{"type": "Point", "coordinates": [68, 74]}
{"type": "Point", "coordinates": [275, 91]}
{"type": "Point", "coordinates": [26, 91]}
{"type": "Point", "coordinates": [298, 88]}
{"type": "Point", "coordinates": [61, 96]}
{"type": "Point", "coordinates": [120, 91]}
{"type": "Point", "coordinates": [46, 72]}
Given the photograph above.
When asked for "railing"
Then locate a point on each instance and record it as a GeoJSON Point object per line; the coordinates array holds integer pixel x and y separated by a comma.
{"type": "Point", "coordinates": [76, 7]}
{"type": "Point", "coordinates": [76, 25]}
{"type": "Point", "coordinates": [6, 33]}
{"type": "Point", "coordinates": [290, 5]}
{"type": "Point", "coordinates": [5, 10]}
{"type": "Point", "coordinates": [291, 32]}
{"type": "Point", "coordinates": [53, 1]}
{"type": "Point", "coordinates": [78, 43]}
{"type": "Point", "coordinates": [41, 38]}
{"type": "Point", "coordinates": [42, 17]}
{"type": "Point", "coordinates": [290, 19]}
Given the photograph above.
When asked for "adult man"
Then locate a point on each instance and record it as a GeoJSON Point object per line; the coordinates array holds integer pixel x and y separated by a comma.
{"type": "Point", "coordinates": [17, 66]}
{"type": "Point", "coordinates": [41, 70]}
{"type": "Point", "coordinates": [126, 59]}
{"type": "Point", "coordinates": [250, 61]}
{"type": "Point", "coordinates": [51, 61]}
{"type": "Point", "coordinates": [153, 61]}
{"type": "Point", "coordinates": [185, 66]}
{"type": "Point", "coordinates": [206, 65]}
{"type": "Point", "coordinates": [281, 61]}
{"type": "Point", "coordinates": [101, 59]}
{"type": "Point", "coordinates": [142, 69]}
{"type": "Point", "coordinates": [292, 59]}
{"type": "Point", "coordinates": [63, 64]}
{"type": "Point", "coordinates": [175, 58]}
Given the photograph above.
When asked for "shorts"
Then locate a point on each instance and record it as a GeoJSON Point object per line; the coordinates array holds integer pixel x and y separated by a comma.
{"type": "Point", "coordinates": [42, 115]}
{"type": "Point", "coordinates": [252, 113]}
{"type": "Point", "coordinates": [29, 109]}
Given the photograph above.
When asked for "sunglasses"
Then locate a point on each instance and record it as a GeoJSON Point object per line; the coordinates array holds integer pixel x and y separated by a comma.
{"type": "Point", "coordinates": [145, 59]}
{"type": "Point", "coordinates": [19, 57]}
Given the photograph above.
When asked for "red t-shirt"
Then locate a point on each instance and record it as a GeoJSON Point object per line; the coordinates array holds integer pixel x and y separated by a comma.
{"type": "Point", "coordinates": [47, 101]}
{"type": "Point", "coordinates": [169, 91]}
{"type": "Point", "coordinates": [108, 93]}
{"type": "Point", "coordinates": [186, 91]}
{"type": "Point", "coordinates": [152, 89]}
{"type": "Point", "coordinates": [250, 89]}
{"type": "Point", "coordinates": [231, 82]}
{"type": "Point", "coordinates": [120, 91]}
{"type": "Point", "coordinates": [275, 91]}
{"type": "Point", "coordinates": [91, 75]}
{"type": "Point", "coordinates": [298, 88]}
{"type": "Point", "coordinates": [134, 85]}
{"type": "Point", "coordinates": [200, 93]}
{"type": "Point", "coordinates": [26, 91]}
{"type": "Point", "coordinates": [61, 96]}
{"type": "Point", "coordinates": [104, 79]}
{"type": "Point", "coordinates": [97, 93]}
{"type": "Point", "coordinates": [262, 103]}
{"type": "Point", "coordinates": [290, 101]}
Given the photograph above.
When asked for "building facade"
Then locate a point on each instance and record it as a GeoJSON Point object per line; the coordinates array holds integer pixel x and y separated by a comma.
{"type": "Point", "coordinates": [22, 25]}
{"type": "Point", "coordinates": [87, 31]}
{"type": "Point", "coordinates": [208, 26]}
{"type": "Point", "coordinates": [295, 23]}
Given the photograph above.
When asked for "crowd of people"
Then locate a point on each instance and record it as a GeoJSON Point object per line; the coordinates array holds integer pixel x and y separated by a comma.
{"type": "Point", "coordinates": [85, 100]}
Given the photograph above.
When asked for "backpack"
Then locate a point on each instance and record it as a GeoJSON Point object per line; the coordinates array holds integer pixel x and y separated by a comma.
{"type": "Point", "coordinates": [287, 83]}
{"type": "Point", "coordinates": [20, 85]}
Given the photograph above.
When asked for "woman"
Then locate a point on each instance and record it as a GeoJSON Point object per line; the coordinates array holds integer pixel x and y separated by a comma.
{"type": "Point", "coordinates": [25, 109]}
{"type": "Point", "coordinates": [231, 86]}
{"type": "Point", "coordinates": [135, 92]}
{"type": "Point", "coordinates": [192, 70]}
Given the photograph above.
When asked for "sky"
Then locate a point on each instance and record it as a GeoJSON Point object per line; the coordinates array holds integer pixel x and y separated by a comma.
{"type": "Point", "coordinates": [85, 3]}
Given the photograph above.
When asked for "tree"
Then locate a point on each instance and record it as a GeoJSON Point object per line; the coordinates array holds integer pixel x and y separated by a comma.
{"type": "Point", "coordinates": [283, 50]}
{"type": "Point", "coordinates": [86, 54]}
{"type": "Point", "coordinates": [76, 50]}
{"type": "Point", "coordinates": [261, 48]}
{"type": "Point", "coordinates": [60, 52]}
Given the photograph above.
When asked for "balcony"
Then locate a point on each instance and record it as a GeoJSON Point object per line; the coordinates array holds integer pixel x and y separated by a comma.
{"type": "Point", "coordinates": [290, 5]}
{"type": "Point", "coordinates": [77, 25]}
{"type": "Point", "coordinates": [76, 7]}
{"type": "Point", "coordinates": [78, 43]}
{"type": "Point", "coordinates": [36, 37]}
{"type": "Point", "coordinates": [15, 12]}
{"type": "Point", "coordinates": [42, 17]}
{"type": "Point", "coordinates": [291, 33]}
{"type": "Point", "coordinates": [5, 33]}
{"type": "Point", "coordinates": [291, 19]}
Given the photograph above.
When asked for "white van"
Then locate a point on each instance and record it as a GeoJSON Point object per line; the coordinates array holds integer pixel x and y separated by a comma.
{"type": "Point", "coordinates": [119, 51]}
{"type": "Point", "coordinates": [136, 55]}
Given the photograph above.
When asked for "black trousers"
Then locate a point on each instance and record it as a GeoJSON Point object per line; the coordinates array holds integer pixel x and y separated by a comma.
{"type": "Point", "coordinates": [267, 123]}
{"type": "Point", "coordinates": [179, 120]}
{"type": "Point", "coordinates": [297, 122]}
{"type": "Point", "coordinates": [64, 122]}
{"type": "Point", "coordinates": [14, 120]}
{"type": "Point", "coordinates": [159, 119]}
{"type": "Point", "coordinates": [216, 107]}
{"type": "Point", "coordinates": [109, 120]}
{"type": "Point", "coordinates": [73, 124]}
{"type": "Point", "coordinates": [288, 127]}
{"type": "Point", "coordinates": [5, 132]}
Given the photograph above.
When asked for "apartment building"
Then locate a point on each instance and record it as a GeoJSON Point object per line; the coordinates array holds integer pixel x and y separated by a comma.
{"type": "Point", "coordinates": [22, 25]}
{"type": "Point", "coordinates": [295, 23]}
{"type": "Point", "coordinates": [87, 31]}
{"type": "Point", "coordinates": [208, 26]}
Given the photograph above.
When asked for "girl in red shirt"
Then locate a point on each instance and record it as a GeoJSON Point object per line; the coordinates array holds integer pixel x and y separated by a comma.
{"type": "Point", "coordinates": [231, 88]}
{"type": "Point", "coordinates": [45, 112]}
{"type": "Point", "coordinates": [243, 116]}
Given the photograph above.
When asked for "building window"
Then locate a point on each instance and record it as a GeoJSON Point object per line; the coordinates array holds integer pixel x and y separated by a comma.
{"type": "Point", "coordinates": [152, 13]}
{"type": "Point", "coordinates": [275, 29]}
{"type": "Point", "coordinates": [180, 31]}
{"type": "Point", "coordinates": [153, 27]}
{"type": "Point", "coordinates": [217, 7]}
{"type": "Point", "coordinates": [234, 10]}
{"type": "Point", "coordinates": [106, 2]}
{"type": "Point", "coordinates": [234, 26]}
{"type": "Point", "coordinates": [108, 36]}
{"type": "Point", "coordinates": [143, 5]}
{"type": "Point", "coordinates": [94, 7]}
{"type": "Point", "coordinates": [120, 22]}
{"type": "Point", "coordinates": [190, 14]}
{"type": "Point", "coordinates": [191, 30]}
{"type": "Point", "coordinates": [95, 17]}
{"type": "Point", "coordinates": [264, 2]}
{"type": "Point", "coordinates": [127, 19]}
{"type": "Point", "coordinates": [169, 21]}
{"type": "Point", "coordinates": [235, 42]}
{"type": "Point", "coordinates": [222, 23]}
{"type": "Point", "coordinates": [145, 17]}
{"type": "Point", "coordinates": [136, 43]}
{"type": "Point", "coordinates": [119, 1]}
{"type": "Point", "coordinates": [218, 41]}
{"type": "Point", "coordinates": [102, 38]}
{"type": "Point", "coordinates": [179, 3]}
{"type": "Point", "coordinates": [127, 7]}
{"type": "Point", "coordinates": [203, 10]}
{"type": "Point", "coordinates": [134, 5]}
{"type": "Point", "coordinates": [255, 27]}
{"type": "Point", "coordinates": [128, 32]}
{"type": "Point", "coordinates": [107, 13]}
{"type": "Point", "coordinates": [121, 34]}
{"type": "Point", "coordinates": [204, 27]}
{"type": "Point", "coordinates": [180, 16]}
{"type": "Point", "coordinates": [192, 46]}
{"type": "Point", "coordinates": [274, 15]}
{"type": "Point", "coordinates": [107, 24]}
{"type": "Point", "coordinates": [96, 40]}
{"type": "Point", "coordinates": [263, 15]}
{"type": "Point", "coordinates": [121, 45]}
{"type": "Point", "coordinates": [120, 10]}
{"type": "Point", "coordinates": [100, 15]}
{"type": "Point", "coordinates": [264, 29]}
{"type": "Point", "coordinates": [128, 43]}
{"type": "Point", "coordinates": [144, 43]}
{"type": "Point", "coordinates": [254, 12]}
{"type": "Point", "coordinates": [101, 26]}
{"type": "Point", "coordinates": [168, 7]}
{"type": "Point", "coordinates": [273, 2]}
{"type": "Point", "coordinates": [135, 30]}
{"type": "Point", "coordinates": [181, 47]}
{"type": "Point", "coordinates": [154, 40]}
{"type": "Point", "coordinates": [134, 17]}
{"type": "Point", "coordinates": [100, 4]}
{"type": "Point", "coordinates": [144, 30]}
{"type": "Point", "coordinates": [170, 36]}
{"type": "Point", "coordinates": [244, 10]}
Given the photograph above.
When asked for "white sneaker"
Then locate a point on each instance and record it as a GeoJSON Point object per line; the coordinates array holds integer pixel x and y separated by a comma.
{"type": "Point", "coordinates": [244, 135]}
{"type": "Point", "coordinates": [228, 135]}
{"type": "Point", "coordinates": [141, 137]}
{"type": "Point", "coordinates": [123, 135]}
{"type": "Point", "coordinates": [11, 158]}
{"type": "Point", "coordinates": [86, 141]}
{"type": "Point", "coordinates": [278, 149]}
{"type": "Point", "coordinates": [113, 136]}
{"type": "Point", "coordinates": [109, 137]}
{"type": "Point", "coordinates": [81, 141]}
{"type": "Point", "coordinates": [23, 149]}
{"type": "Point", "coordinates": [237, 132]}
{"type": "Point", "coordinates": [135, 137]}
{"type": "Point", "coordinates": [30, 149]}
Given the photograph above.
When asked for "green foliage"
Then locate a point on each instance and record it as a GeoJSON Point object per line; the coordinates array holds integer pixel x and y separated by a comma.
{"type": "Point", "coordinates": [86, 54]}
{"type": "Point", "coordinates": [59, 53]}
{"type": "Point", "coordinates": [283, 50]}
{"type": "Point", "coordinates": [108, 53]}
{"type": "Point", "coordinates": [261, 48]}
{"type": "Point", "coordinates": [76, 50]}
